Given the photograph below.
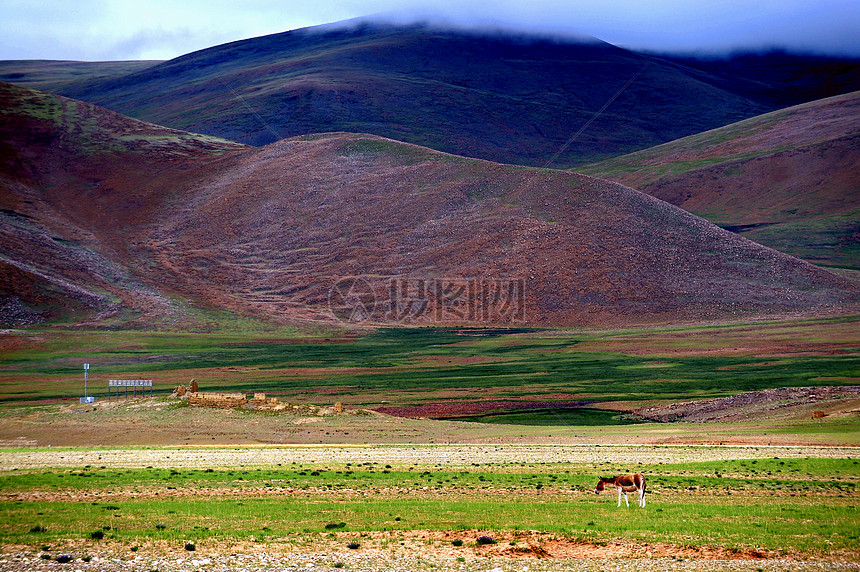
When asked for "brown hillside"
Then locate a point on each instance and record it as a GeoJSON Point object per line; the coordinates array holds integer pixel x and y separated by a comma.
{"type": "Point", "coordinates": [788, 179]}
{"type": "Point", "coordinates": [274, 229]}
{"type": "Point", "coordinates": [146, 216]}
{"type": "Point", "coordinates": [69, 177]}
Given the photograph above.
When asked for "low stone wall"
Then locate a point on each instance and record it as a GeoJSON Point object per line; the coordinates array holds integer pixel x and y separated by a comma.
{"type": "Point", "coordinates": [259, 401]}
{"type": "Point", "coordinates": [218, 400]}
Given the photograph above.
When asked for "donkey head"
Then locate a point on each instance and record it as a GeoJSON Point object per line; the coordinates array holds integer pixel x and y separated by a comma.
{"type": "Point", "coordinates": [600, 485]}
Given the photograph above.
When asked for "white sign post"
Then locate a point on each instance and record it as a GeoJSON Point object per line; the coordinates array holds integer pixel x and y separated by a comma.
{"type": "Point", "coordinates": [86, 398]}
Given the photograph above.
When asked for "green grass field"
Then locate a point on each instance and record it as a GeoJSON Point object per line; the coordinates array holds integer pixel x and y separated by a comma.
{"type": "Point", "coordinates": [784, 506]}
{"type": "Point", "coordinates": [412, 366]}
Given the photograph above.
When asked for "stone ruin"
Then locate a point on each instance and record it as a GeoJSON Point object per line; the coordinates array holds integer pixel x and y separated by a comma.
{"type": "Point", "coordinates": [217, 400]}
{"type": "Point", "coordinates": [259, 401]}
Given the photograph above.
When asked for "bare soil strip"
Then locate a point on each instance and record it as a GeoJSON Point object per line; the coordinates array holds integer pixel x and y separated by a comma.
{"type": "Point", "coordinates": [442, 455]}
{"type": "Point", "coordinates": [415, 551]}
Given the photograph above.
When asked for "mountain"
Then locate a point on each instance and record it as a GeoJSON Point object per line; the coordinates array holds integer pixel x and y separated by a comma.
{"type": "Point", "coordinates": [493, 95]}
{"type": "Point", "coordinates": [501, 96]}
{"type": "Point", "coordinates": [117, 222]}
{"type": "Point", "coordinates": [787, 179]}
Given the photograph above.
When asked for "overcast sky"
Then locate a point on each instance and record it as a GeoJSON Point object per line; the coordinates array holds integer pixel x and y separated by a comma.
{"type": "Point", "coordinates": [162, 29]}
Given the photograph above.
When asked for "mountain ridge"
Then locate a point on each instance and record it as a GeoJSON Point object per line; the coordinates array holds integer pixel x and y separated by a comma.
{"type": "Point", "coordinates": [502, 98]}
{"type": "Point", "coordinates": [506, 96]}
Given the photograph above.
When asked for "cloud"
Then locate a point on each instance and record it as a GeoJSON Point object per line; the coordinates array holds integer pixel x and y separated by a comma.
{"type": "Point", "coordinates": [671, 25]}
{"type": "Point", "coordinates": [155, 44]}
{"type": "Point", "coordinates": [116, 29]}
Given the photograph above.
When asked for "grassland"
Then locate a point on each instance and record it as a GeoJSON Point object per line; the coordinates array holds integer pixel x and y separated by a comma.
{"type": "Point", "coordinates": [747, 507]}
{"type": "Point", "coordinates": [47, 75]}
{"type": "Point", "coordinates": [411, 366]}
{"type": "Point", "coordinates": [543, 385]}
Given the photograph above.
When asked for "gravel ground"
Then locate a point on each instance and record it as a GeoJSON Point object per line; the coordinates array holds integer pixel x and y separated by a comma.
{"type": "Point", "coordinates": [443, 455]}
{"type": "Point", "coordinates": [360, 563]}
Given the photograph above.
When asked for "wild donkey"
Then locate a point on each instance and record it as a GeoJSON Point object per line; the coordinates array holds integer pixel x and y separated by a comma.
{"type": "Point", "coordinates": [625, 484]}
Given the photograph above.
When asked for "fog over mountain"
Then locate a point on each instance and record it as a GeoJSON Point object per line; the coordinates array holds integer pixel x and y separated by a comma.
{"type": "Point", "coordinates": [158, 29]}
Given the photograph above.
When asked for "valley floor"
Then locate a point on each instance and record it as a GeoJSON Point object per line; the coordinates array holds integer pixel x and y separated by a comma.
{"type": "Point", "coordinates": [419, 549]}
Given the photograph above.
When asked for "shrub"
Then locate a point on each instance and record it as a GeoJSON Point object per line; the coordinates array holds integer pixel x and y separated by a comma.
{"type": "Point", "coordinates": [97, 534]}
{"type": "Point", "coordinates": [190, 547]}
{"type": "Point", "coordinates": [457, 542]}
{"type": "Point", "coordinates": [353, 545]}
{"type": "Point", "coordinates": [482, 540]}
{"type": "Point", "coordinates": [38, 528]}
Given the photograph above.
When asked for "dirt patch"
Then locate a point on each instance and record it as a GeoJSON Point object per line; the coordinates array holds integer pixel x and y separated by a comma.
{"type": "Point", "coordinates": [412, 550]}
{"type": "Point", "coordinates": [158, 422]}
{"type": "Point", "coordinates": [531, 545]}
{"type": "Point", "coordinates": [767, 403]}
{"type": "Point", "coordinates": [448, 410]}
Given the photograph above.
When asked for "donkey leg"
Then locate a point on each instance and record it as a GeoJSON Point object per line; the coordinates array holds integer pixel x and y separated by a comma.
{"type": "Point", "coordinates": [619, 496]}
{"type": "Point", "coordinates": [627, 502]}
{"type": "Point", "coordinates": [642, 497]}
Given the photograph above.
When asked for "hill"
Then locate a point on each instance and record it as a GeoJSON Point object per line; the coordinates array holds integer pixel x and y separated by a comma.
{"type": "Point", "coordinates": [498, 96]}
{"type": "Point", "coordinates": [786, 179]}
{"type": "Point", "coordinates": [64, 165]}
{"type": "Point", "coordinates": [115, 219]}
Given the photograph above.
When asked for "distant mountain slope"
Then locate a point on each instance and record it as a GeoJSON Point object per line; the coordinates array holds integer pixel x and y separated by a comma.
{"type": "Point", "coordinates": [788, 179]}
{"type": "Point", "coordinates": [132, 221]}
{"type": "Point", "coordinates": [52, 75]}
{"type": "Point", "coordinates": [507, 98]}
{"type": "Point", "coordinates": [780, 78]}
